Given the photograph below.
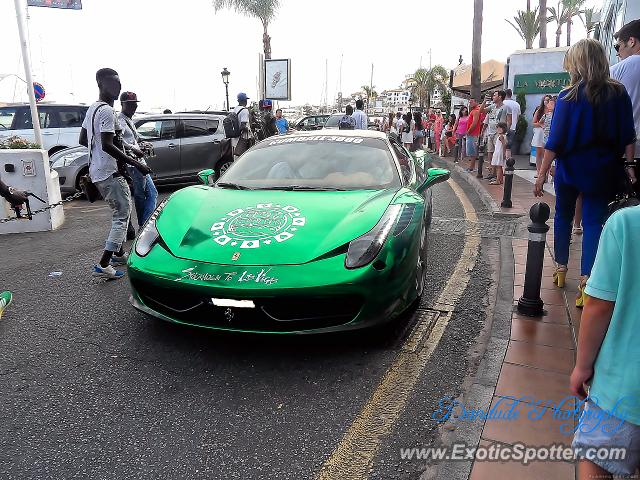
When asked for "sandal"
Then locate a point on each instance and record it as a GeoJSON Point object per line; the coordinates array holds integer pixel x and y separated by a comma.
{"type": "Point", "coordinates": [560, 275]}
{"type": "Point", "coordinates": [580, 299]}
{"type": "Point", "coordinates": [577, 230]}
{"type": "Point", "coordinates": [495, 182]}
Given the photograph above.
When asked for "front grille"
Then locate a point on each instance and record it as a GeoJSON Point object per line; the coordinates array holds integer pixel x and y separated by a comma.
{"type": "Point", "coordinates": [276, 314]}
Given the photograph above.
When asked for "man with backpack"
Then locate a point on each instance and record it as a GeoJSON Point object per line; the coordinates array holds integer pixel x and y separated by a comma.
{"type": "Point", "coordinates": [237, 126]}
{"type": "Point", "coordinates": [99, 135]}
{"type": "Point", "coordinates": [347, 122]}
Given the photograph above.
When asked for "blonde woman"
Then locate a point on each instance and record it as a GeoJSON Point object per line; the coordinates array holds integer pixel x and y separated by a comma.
{"type": "Point", "coordinates": [592, 129]}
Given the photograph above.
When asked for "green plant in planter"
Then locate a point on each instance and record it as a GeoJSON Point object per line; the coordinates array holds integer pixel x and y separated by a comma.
{"type": "Point", "coordinates": [522, 100]}
{"type": "Point", "coordinates": [17, 143]}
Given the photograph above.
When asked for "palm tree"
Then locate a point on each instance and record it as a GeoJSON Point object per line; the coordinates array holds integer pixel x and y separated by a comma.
{"type": "Point", "coordinates": [559, 15]}
{"type": "Point", "coordinates": [543, 23]}
{"type": "Point", "coordinates": [587, 17]}
{"type": "Point", "coordinates": [527, 24]}
{"type": "Point", "coordinates": [264, 10]}
{"type": "Point", "coordinates": [573, 8]}
{"type": "Point", "coordinates": [425, 81]}
{"type": "Point", "coordinates": [476, 50]}
{"type": "Point", "coordinates": [369, 92]}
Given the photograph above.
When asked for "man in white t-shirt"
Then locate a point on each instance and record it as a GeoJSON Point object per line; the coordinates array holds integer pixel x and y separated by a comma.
{"type": "Point", "coordinates": [98, 133]}
{"type": "Point", "coordinates": [513, 113]}
{"type": "Point", "coordinates": [627, 72]}
{"type": "Point", "coordinates": [244, 118]}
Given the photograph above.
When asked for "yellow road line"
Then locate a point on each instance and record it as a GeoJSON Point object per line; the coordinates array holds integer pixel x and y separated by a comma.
{"type": "Point", "coordinates": [353, 457]}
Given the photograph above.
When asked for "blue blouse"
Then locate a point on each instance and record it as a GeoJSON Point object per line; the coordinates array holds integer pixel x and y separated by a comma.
{"type": "Point", "coordinates": [588, 147]}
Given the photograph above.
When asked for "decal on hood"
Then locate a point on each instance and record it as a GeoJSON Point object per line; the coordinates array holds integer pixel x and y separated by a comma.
{"type": "Point", "coordinates": [253, 227]}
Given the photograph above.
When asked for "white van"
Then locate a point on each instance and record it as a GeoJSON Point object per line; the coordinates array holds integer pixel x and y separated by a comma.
{"type": "Point", "coordinates": [60, 124]}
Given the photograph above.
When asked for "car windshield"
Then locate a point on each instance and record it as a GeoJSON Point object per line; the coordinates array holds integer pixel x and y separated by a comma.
{"type": "Point", "coordinates": [324, 162]}
{"type": "Point", "coordinates": [333, 120]}
{"type": "Point", "coordinates": [6, 117]}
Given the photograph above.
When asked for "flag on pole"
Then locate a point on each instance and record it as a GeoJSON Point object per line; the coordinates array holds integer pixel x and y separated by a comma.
{"type": "Point", "coordinates": [67, 4]}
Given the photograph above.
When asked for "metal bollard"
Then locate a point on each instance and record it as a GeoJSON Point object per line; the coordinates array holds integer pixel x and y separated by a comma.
{"type": "Point", "coordinates": [530, 304]}
{"type": "Point", "coordinates": [480, 157]}
{"type": "Point", "coordinates": [508, 184]}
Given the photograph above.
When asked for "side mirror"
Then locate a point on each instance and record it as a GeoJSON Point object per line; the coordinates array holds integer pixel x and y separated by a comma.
{"type": "Point", "coordinates": [207, 177]}
{"type": "Point", "coordinates": [434, 175]}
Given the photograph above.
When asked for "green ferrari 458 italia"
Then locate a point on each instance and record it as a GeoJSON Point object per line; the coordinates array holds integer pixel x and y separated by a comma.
{"type": "Point", "coordinates": [311, 232]}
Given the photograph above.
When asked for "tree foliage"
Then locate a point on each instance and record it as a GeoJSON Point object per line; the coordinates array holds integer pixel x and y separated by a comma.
{"type": "Point", "coordinates": [264, 10]}
{"type": "Point", "coordinates": [527, 24]}
{"type": "Point", "coordinates": [425, 81]}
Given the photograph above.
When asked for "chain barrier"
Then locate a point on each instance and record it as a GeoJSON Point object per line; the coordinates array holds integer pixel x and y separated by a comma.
{"type": "Point", "coordinates": [75, 196]}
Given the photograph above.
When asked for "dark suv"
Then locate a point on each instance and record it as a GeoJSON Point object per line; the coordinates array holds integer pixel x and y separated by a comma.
{"type": "Point", "coordinates": [184, 144]}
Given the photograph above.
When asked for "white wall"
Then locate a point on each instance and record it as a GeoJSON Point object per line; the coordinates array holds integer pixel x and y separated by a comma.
{"type": "Point", "coordinates": [540, 60]}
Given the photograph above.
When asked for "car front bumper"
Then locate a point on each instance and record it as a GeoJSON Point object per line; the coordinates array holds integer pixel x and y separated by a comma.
{"type": "Point", "coordinates": [319, 297]}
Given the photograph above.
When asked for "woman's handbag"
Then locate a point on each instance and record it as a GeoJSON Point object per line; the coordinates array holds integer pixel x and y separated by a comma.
{"type": "Point", "coordinates": [626, 198]}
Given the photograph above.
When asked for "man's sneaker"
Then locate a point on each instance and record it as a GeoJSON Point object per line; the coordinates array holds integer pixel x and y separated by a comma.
{"type": "Point", "coordinates": [117, 261]}
{"type": "Point", "coordinates": [5, 300]}
{"type": "Point", "coordinates": [108, 272]}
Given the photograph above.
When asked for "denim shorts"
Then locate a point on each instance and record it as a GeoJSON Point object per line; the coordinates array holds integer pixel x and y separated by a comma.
{"type": "Point", "coordinates": [472, 146]}
{"type": "Point", "coordinates": [612, 432]}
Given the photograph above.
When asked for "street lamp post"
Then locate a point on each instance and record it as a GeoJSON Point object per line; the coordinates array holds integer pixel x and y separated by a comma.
{"type": "Point", "coordinates": [225, 79]}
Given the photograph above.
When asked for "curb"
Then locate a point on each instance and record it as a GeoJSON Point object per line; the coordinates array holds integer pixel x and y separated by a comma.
{"type": "Point", "coordinates": [486, 199]}
{"type": "Point", "coordinates": [483, 384]}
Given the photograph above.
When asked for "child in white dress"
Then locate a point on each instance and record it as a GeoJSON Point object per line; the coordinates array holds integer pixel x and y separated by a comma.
{"type": "Point", "coordinates": [499, 161]}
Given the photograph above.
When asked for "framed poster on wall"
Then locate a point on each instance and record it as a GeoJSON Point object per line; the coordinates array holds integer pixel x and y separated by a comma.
{"type": "Point", "coordinates": [277, 79]}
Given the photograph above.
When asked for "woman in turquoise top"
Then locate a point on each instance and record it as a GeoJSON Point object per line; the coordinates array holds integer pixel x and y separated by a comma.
{"type": "Point", "coordinates": [592, 129]}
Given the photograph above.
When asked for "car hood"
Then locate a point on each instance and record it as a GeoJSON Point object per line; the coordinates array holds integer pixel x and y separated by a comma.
{"type": "Point", "coordinates": [266, 227]}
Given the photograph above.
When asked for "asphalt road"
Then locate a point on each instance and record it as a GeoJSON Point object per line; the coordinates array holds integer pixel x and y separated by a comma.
{"type": "Point", "coordinates": [92, 389]}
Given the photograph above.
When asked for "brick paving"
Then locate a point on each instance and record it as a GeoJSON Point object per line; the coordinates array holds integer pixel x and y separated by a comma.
{"type": "Point", "coordinates": [540, 354]}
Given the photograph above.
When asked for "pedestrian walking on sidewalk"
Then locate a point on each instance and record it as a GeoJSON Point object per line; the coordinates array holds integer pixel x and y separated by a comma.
{"type": "Point", "coordinates": [460, 129]}
{"type": "Point", "coordinates": [145, 193]}
{"type": "Point", "coordinates": [627, 72]}
{"type": "Point", "coordinates": [419, 132]}
{"type": "Point", "coordinates": [243, 142]}
{"type": "Point", "coordinates": [592, 128]}
{"type": "Point", "coordinates": [405, 128]}
{"type": "Point", "coordinates": [282, 124]}
{"type": "Point", "coordinates": [438, 126]}
{"type": "Point", "coordinates": [107, 170]}
{"type": "Point", "coordinates": [498, 161]}
{"type": "Point", "coordinates": [538, 131]}
{"type": "Point", "coordinates": [473, 133]}
{"type": "Point", "coordinates": [608, 353]}
{"type": "Point", "coordinates": [513, 113]}
{"type": "Point", "coordinates": [496, 113]}
{"type": "Point", "coordinates": [449, 137]}
{"type": "Point", "coordinates": [387, 126]}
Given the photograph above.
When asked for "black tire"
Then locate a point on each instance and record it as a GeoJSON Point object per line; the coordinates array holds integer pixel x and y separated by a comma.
{"type": "Point", "coordinates": [82, 172]}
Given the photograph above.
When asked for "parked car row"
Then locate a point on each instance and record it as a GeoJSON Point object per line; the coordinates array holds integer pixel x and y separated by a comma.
{"type": "Point", "coordinates": [184, 144]}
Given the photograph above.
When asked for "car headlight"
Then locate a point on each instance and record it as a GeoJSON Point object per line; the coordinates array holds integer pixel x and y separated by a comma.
{"type": "Point", "coordinates": [149, 234]}
{"type": "Point", "coordinates": [365, 248]}
{"type": "Point", "coordinates": [66, 160]}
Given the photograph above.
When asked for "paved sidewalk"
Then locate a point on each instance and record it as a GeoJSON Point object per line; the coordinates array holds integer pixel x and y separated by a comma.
{"type": "Point", "coordinates": [540, 353]}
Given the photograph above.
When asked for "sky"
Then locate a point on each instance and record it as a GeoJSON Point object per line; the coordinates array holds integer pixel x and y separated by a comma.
{"type": "Point", "coordinates": [171, 53]}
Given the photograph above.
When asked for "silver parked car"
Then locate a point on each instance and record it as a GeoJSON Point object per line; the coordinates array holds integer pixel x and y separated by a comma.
{"type": "Point", "coordinates": [184, 144]}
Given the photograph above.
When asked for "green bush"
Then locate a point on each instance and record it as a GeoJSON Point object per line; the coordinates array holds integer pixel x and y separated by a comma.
{"type": "Point", "coordinates": [15, 142]}
{"type": "Point", "coordinates": [522, 100]}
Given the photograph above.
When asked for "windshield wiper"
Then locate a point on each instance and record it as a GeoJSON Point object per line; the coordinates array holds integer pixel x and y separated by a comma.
{"type": "Point", "coordinates": [304, 188]}
{"type": "Point", "coordinates": [233, 186]}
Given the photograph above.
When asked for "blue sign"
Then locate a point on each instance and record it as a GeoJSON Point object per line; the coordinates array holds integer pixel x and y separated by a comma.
{"type": "Point", "coordinates": [38, 90]}
{"type": "Point", "coordinates": [68, 4]}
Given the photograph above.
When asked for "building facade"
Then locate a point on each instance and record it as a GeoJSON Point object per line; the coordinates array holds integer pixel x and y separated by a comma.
{"type": "Point", "coordinates": [613, 15]}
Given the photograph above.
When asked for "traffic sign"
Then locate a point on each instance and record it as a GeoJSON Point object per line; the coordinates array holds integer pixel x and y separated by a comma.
{"type": "Point", "coordinates": [38, 90]}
